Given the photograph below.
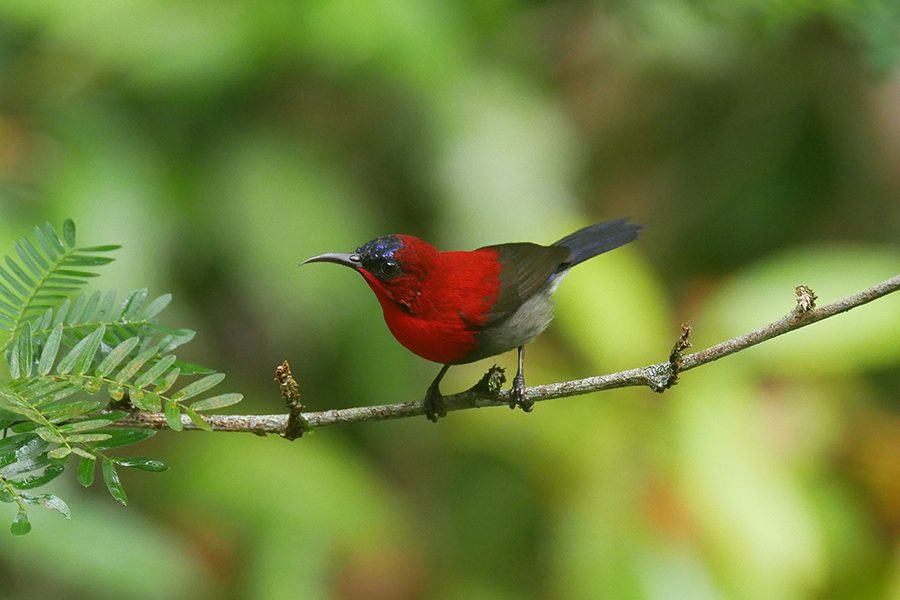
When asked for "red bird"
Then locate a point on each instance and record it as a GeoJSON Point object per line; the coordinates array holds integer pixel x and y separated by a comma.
{"type": "Point", "coordinates": [459, 307]}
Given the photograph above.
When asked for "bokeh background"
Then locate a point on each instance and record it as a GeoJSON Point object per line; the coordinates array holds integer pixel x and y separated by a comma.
{"type": "Point", "coordinates": [222, 142]}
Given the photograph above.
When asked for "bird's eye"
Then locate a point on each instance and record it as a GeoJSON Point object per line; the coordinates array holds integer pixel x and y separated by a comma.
{"type": "Point", "coordinates": [389, 268]}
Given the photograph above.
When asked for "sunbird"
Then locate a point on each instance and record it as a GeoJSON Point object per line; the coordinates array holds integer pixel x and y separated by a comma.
{"type": "Point", "coordinates": [461, 306]}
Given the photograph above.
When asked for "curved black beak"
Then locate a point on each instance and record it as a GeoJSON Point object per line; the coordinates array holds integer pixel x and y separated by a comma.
{"type": "Point", "coordinates": [340, 258]}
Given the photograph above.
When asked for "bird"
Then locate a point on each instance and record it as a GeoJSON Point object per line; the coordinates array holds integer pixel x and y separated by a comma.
{"type": "Point", "coordinates": [457, 307]}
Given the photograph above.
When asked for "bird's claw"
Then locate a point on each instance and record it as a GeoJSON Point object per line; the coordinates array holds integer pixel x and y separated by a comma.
{"type": "Point", "coordinates": [517, 395]}
{"type": "Point", "coordinates": [434, 404]}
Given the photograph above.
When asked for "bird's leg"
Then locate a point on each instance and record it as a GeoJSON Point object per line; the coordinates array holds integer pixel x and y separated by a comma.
{"type": "Point", "coordinates": [517, 394]}
{"type": "Point", "coordinates": [434, 401]}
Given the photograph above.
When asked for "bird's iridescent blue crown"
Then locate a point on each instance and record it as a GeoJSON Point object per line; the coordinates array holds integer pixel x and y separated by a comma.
{"type": "Point", "coordinates": [377, 256]}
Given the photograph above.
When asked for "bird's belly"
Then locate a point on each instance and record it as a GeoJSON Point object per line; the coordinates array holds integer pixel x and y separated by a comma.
{"type": "Point", "coordinates": [452, 339]}
{"type": "Point", "coordinates": [442, 341]}
{"type": "Point", "coordinates": [528, 322]}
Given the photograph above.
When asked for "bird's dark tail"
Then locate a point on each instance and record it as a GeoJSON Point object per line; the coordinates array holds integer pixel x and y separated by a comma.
{"type": "Point", "coordinates": [597, 239]}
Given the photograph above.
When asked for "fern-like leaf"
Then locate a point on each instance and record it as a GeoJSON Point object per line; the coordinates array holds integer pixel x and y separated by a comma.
{"type": "Point", "coordinates": [44, 275]}
{"type": "Point", "coordinates": [116, 356]}
{"type": "Point", "coordinates": [82, 354]}
{"type": "Point", "coordinates": [132, 317]}
{"type": "Point", "coordinates": [63, 348]}
{"type": "Point", "coordinates": [20, 361]}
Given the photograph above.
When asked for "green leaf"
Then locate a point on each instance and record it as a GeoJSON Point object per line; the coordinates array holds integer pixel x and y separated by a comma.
{"type": "Point", "coordinates": [61, 312]}
{"type": "Point", "coordinates": [23, 361]}
{"type": "Point", "coordinates": [17, 270]}
{"type": "Point", "coordinates": [103, 248]}
{"type": "Point", "coordinates": [81, 438]}
{"type": "Point", "coordinates": [26, 258]}
{"type": "Point", "coordinates": [91, 385]}
{"type": "Point", "coordinates": [84, 260]}
{"type": "Point", "coordinates": [44, 390]}
{"type": "Point", "coordinates": [86, 358]}
{"type": "Point", "coordinates": [15, 305]}
{"type": "Point", "coordinates": [65, 411]}
{"type": "Point", "coordinates": [149, 401]}
{"type": "Point", "coordinates": [24, 427]}
{"type": "Point", "coordinates": [116, 356]}
{"type": "Point", "coordinates": [51, 349]}
{"type": "Point", "coordinates": [142, 463]}
{"type": "Point", "coordinates": [198, 387]}
{"type": "Point", "coordinates": [137, 397]}
{"type": "Point", "coordinates": [76, 274]}
{"type": "Point", "coordinates": [45, 320]}
{"type": "Point", "coordinates": [173, 415]}
{"type": "Point", "coordinates": [44, 242]}
{"type": "Point", "coordinates": [155, 371]}
{"type": "Point", "coordinates": [156, 307]}
{"type": "Point", "coordinates": [49, 434]}
{"type": "Point", "coordinates": [53, 237]}
{"type": "Point", "coordinates": [90, 309]}
{"type": "Point", "coordinates": [52, 502]}
{"type": "Point", "coordinates": [107, 306]}
{"type": "Point", "coordinates": [80, 426]}
{"type": "Point", "coordinates": [12, 403]}
{"type": "Point", "coordinates": [192, 368]}
{"type": "Point", "coordinates": [69, 232]}
{"type": "Point", "coordinates": [135, 364]}
{"type": "Point", "coordinates": [113, 484]}
{"type": "Point", "coordinates": [85, 472]}
{"type": "Point", "coordinates": [133, 303]}
{"type": "Point", "coordinates": [23, 450]}
{"type": "Point", "coordinates": [77, 308]}
{"type": "Point", "coordinates": [115, 415]}
{"type": "Point", "coordinates": [79, 451]}
{"type": "Point", "coordinates": [35, 255]}
{"type": "Point", "coordinates": [14, 371]}
{"type": "Point", "coordinates": [50, 473]}
{"type": "Point", "coordinates": [18, 287]}
{"type": "Point", "coordinates": [168, 381]}
{"type": "Point", "coordinates": [215, 402]}
{"type": "Point", "coordinates": [115, 391]}
{"type": "Point", "coordinates": [124, 436]}
{"type": "Point", "coordinates": [196, 419]}
{"type": "Point", "coordinates": [63, 392]}
{"type": "Point", "coordinates": [80, 357]}
{"type": "Point", "coordinates": [20, 526]}
{"type": "Point", "coordinates": [61, 452]}
{"type": "Point", "coordinates": [48, 233]}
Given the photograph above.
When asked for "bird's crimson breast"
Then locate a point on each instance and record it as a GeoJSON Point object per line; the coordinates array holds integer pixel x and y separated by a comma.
{"type": "Point", "coordinates": [441, 314]}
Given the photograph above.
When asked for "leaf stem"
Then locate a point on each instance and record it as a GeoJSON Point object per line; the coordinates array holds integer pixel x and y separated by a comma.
{"type": "Point", "coordinates": [7, 486]}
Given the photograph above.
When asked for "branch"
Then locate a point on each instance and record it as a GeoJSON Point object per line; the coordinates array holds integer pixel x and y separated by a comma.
{"type": "Point", "coordinates": [658, 377]}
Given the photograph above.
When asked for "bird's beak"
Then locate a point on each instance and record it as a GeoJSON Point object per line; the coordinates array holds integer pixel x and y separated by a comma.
{"type": "Point", "coordinates": [340, 258]}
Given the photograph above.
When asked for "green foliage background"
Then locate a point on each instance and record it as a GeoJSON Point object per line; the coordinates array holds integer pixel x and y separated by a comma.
{"type": "Point", "coordinates": [221, 143]}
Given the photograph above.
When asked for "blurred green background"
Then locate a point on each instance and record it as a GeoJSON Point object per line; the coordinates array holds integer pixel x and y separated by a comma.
{"type": "Point", "coordinates": [222, 142]}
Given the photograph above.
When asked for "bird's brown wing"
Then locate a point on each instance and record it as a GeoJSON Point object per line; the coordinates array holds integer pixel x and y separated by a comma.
{"type": "Point", "coordinates": [524, 269]}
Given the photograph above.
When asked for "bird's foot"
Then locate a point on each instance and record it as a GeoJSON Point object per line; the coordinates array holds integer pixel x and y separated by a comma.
{"type": "Point", "coordinates": [517, 395]}
{"type": "Point", "coordinates": [434, 404]}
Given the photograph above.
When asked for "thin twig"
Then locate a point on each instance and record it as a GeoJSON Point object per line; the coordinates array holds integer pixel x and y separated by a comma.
{"type": "Point", "coordinates": [290, 393]}
{"type": "Point", "coordinates": [804, 314]}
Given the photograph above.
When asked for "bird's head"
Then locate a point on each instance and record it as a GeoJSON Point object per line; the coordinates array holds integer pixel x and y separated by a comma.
{"type": "Point", "coordinates": [395, 266]}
